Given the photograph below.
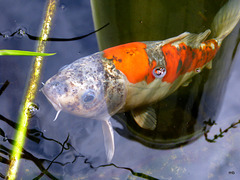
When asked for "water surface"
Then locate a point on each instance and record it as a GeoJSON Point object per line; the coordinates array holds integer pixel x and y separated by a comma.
{"type": "Point", "coordinates": [73, 147]}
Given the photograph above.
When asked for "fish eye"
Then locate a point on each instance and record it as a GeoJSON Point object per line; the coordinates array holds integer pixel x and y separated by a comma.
{"type": "Point", "coordinates": [159, 72]}
{"type": "Point", "coordinates": [88, 96]}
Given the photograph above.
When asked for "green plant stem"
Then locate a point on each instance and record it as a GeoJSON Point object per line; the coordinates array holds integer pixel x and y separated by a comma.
{"type": "Point", "coordinates": [30, 93]}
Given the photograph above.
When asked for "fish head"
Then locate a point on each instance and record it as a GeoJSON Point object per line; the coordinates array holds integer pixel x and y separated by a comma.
{"type": "Point", "coordinates": [80, 88]}
{"type": "Point", "coordinates": [90, 87]}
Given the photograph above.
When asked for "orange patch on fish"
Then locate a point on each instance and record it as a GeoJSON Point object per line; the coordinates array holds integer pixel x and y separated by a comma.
{"type": "Point", "coordinates": [183, 59]}
{"type": "Point", "coordinates": [132, 60]}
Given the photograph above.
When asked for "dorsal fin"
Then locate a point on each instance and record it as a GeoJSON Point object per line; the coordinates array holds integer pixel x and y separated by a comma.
{"type": "Point", "coordinates": [194, 40]}
{"type": "Point", "coordinates": [174, 39]}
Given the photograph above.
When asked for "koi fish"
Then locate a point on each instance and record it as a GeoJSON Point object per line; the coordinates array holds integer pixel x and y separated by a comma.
{"type": "Point", "coordinates": [131, 77]}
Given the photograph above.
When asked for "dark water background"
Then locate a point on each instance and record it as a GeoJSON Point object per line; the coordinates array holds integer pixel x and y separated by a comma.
{"type": "Point", "coordinates": [85, 152]}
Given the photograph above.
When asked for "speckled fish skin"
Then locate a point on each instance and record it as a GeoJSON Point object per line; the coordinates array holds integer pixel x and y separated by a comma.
{"type": "Point", "coordinates": [135, 75]}
{"type": "Point", "coordinates": [88, 87]}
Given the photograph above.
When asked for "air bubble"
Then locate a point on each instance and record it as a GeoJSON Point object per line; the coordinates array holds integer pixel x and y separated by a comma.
{"type": "Point", "coordinates": [32, 109]}
{"type": "Point", "coordinates": [6, 34]}
{"type": "Point", "coordinates": [159, 72]}
{"type": "Point", "coordinates": [20, 33]}
{"type": "Point", "coordinates": [198, 70]}
{"type": "Point", "coordinates": [63, 7]}
{"type": "Point", "coordinates": [5, 139]}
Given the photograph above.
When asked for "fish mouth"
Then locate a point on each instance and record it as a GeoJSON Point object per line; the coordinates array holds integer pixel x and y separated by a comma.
{"type": "Point", "coordinates": [57, 106]}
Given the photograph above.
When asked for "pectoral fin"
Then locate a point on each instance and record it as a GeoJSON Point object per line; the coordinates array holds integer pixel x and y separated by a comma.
{"type": "Point", "coordinates": [185, 84]}
{"type": "Point", "coordinates": [108, 139]}
{"type": "Point", "coordinates": [146, 118]}
{"type": "Point", "coordinates": [209, 65]}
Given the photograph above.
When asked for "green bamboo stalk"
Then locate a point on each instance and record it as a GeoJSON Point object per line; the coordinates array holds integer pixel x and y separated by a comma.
{"type": "Point", "coordinates": [30, 93]}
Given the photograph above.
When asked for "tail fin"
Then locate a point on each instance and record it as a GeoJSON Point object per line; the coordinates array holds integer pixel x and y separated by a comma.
{"type": "Point", "coordinates": [226, 19]}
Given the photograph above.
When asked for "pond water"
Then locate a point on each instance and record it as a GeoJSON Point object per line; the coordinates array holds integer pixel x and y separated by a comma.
{"type": "Point", "coordinates": [72, 147]}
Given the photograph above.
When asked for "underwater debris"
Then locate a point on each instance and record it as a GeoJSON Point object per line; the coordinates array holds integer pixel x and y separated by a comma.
{"type": "Point", "coordinates": [4, 86]}
{"type": "Point", "coordinates": [21, 33]}
{"type": "Point", "coordinates": [137, 174]}
{"type": "Point", "coordinates": [221, 132]}
{"type": "Point", "coordinates": [36, 136]}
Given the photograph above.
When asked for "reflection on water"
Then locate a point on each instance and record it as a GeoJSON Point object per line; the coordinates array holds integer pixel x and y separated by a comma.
{"type": "Point", "coordinates": [46, 167]}
{"type": "Point", "coordinates": [65, 150]}
{"type": "Point", "coordinates": [36, 137]}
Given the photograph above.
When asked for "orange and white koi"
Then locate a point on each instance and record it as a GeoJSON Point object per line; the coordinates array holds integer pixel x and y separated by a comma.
{"type": "Point", "coordinates": [130, 77]}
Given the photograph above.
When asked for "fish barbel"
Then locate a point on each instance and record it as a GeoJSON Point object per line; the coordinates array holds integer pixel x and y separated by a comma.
{"type": "Point", "coordinates": [130, 77]}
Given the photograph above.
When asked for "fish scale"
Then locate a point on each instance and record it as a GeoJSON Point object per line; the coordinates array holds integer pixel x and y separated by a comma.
{"type": "Point", "coordinates": [183, 59]}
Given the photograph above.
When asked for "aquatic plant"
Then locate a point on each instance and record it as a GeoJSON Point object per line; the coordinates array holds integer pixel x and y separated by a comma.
{"type": "Point", "coordinates": [221, 132]}
{"type": "Point", "coordinates": [8, 52]}
{"type": "Point", "coordinates": [30, 92]}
